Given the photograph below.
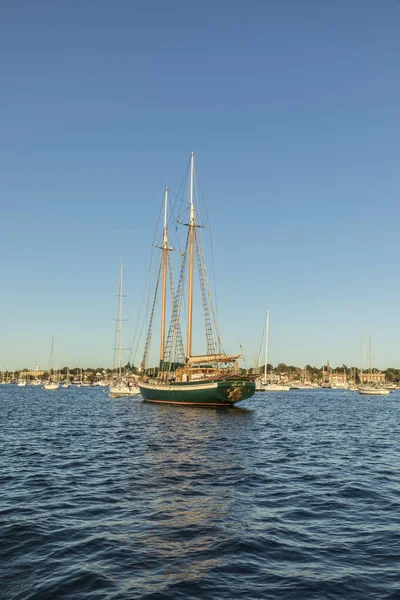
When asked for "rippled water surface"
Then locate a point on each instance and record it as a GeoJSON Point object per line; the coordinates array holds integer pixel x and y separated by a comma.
{"type": "Point", "coordinates": [295, 495]}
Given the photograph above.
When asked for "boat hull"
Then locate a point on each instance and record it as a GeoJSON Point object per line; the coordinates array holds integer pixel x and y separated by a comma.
{"type": "Point", "coordinates": [222, 393]}
{"type": "Point", "coordinates": [50, 386]}
{"type": "Point", "coordinates": [274, 388]}
{"type": "Point", "coordinates": [377, 392]}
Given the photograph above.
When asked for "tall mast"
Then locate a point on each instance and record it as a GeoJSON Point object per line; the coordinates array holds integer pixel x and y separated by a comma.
{"type": "Point", "coordinates": [266, 346]}
{"type": "Point", "coordinates": [191, 259]}
{"type": "Point", "coordinates": [361, 364]}
{"type": "Point", "coordinates": [370, 356]}
{"type": "Point", "coordinates": [120, 321]}
{"type": "Point", "coordinates": [51, 354]}
{"type": "Point", "coordinates": [164, 281]}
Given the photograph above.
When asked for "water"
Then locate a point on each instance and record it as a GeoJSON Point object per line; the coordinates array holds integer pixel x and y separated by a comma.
{"type": "Point", "coordinates": [296, 495]}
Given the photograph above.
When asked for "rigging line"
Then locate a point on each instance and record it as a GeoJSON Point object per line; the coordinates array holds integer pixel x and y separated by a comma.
{"type": "Point", "coordinates": [207, 320]}
{"type": "Point", "coordinates": [182, 254]}
{"type": "Point", "coordinates": [150, 284]}
{"type": "Point", "coordinates": [244, 358]}
{"type": "Point", "coordinates": [177, 219]}
{"type": "Point", "coordinates": [212, 252]}
{"type": "Point", "coordinates": [157, 227]}
{"type": "Point", "coordinates": [179, 340]}
{"type": "Point", "coordinates": [116, 335]}
{"type": "Point", "coordinates": [261, 345]}
{"type": "Point", "coordinates": [182, 187]}
{"type": "Point", "coordinates": [149, 332]}
{"type": "Point", "coordinates": [145, 296]}
{"type": "Point", "coordinates": [211, 307]}
{"type": "Point", "coordinates": [179, 196]}
{"type": "Point", "coordinates": [176, 309]}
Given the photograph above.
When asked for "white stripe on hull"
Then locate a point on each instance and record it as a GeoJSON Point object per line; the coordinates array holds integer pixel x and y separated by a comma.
{"type": "Point", "coordinates": [179, 388]}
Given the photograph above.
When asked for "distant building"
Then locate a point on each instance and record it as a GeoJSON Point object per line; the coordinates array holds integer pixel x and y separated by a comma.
{"type": "Point", "coordinates": [33, 373]}
{"type": "Point", "coordinates": [372, 377]}
{"type": "Point", "coordinates": [337, 378]}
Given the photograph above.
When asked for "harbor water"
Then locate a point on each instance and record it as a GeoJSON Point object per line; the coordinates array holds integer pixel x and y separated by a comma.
{"type": "Point", "coordinates": [294, 495]}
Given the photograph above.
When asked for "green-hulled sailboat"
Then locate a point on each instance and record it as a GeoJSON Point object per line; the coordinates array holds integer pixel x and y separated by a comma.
{"type": "Point", "coordinates": [212, 379]}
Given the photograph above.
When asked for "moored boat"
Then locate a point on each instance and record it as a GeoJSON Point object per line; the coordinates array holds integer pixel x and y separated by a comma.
{"type": "Point", "coordinates": [120, 385]}
{"type": "Point", "coordinates": [212, 379]}
{"type": "Point", "coordinates": [119, 388]}
{"type": "Point", "coordinates": [51, 384]}
{"type": "Point", "coordinates": [273, 387]}
{"type": "Point", "coordinates": [373, 391]}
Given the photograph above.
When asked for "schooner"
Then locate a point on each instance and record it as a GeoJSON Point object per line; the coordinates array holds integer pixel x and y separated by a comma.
{"type": "Point", "coordinates": [211, 379]}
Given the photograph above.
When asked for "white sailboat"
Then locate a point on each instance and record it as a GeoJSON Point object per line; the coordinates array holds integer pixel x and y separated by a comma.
{"type": "Point", "coordinates": [119, 387]}
{"type": "Point", "coordinates": [67, 381]}
{"type": "Point", "coordinates": [265, 385]}
{"type": "Point", "coordinates": [369, 389]}
{"type": "Point", "coordinates": [51, 384]}
{"type": "Point", "coordinates": [21, 382]}
{"type": "Point", "coordinates": [133, 389]}
{"type": "Point", "coordinates": [373, 391]}
{"type": "Point", "coordinates": [36, 381]}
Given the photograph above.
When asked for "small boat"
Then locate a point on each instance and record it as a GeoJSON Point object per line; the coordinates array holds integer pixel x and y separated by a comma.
{"type": "Point", "coordinates": [120, 386]}
{"type": "Point", "coordinates": [273, 387]}
{"type": "Point", "coordinates": [119, 389]}
{"type": "Point", "coordinates": [373, 391]}
{"type": "Point", "coordinates": [51, 384]}
{"type": "Point", "coordinates": [265, 385]}
{"type": "Point", "coordinates": [67, 380]}
{"type": "Point", "coordinates": [367, 389]}
{"type": "Point", "coordinates": [36, 381]}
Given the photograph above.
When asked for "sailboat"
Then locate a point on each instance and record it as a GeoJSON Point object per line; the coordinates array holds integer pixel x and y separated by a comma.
{"type": "Point", "coordinates": [67, 381]}
{"type": "Point", "coordinates": [212, 379]}
{"type": "Point", "coordinates": [119, 387]}
{"type": "Point", "coordinates": [265, 385]}
{"type": "Point", "coordinates": [36, 381]}
{"type": "Point", "coordinates": [21, 381]}
{"type": "Point", "coordinates": [369, 389]}
{"type": "Point", "coordinates": [51, 384]}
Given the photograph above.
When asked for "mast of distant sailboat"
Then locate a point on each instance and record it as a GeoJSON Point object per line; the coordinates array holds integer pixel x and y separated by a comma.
{"type": "Point", "coordinates": [266, 346]}
{"type": "Point", "coordinates": [51, 356]}
{"type": "Point", "coordinates": [120, 322]}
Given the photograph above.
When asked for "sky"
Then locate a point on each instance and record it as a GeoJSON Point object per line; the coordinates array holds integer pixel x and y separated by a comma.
{"type": "Point", "coordinates": [292, 110]}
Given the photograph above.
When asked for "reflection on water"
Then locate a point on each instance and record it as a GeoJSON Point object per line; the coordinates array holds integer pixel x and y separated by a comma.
{"type": "Point", "coordinates": [186, 514]}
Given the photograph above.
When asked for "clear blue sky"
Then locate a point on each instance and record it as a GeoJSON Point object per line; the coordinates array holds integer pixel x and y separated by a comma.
{"type": "Point", "coordinates": [292, 108]}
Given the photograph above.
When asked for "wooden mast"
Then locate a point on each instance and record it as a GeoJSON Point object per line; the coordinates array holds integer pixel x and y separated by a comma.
{"type": "Point", "coordinates": [191, 260]}
{"type": "Point", "coordinates": [164, 281]}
